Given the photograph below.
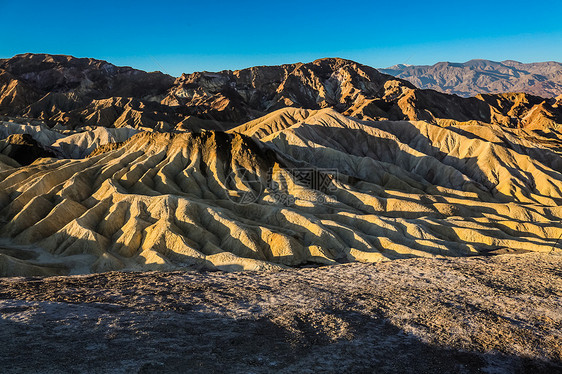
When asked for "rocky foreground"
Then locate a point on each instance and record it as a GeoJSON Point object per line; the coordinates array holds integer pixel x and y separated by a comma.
{"type": "Point", "coordinates": [499, 314]}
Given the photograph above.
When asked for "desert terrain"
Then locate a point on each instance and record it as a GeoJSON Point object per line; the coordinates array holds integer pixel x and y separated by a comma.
{"type": "Point", "coordinates": [500, 314]}
{"type": "Point", "coordinates": [321, 215]}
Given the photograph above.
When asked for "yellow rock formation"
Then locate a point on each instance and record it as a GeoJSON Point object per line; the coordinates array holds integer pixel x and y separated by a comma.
{"type": "Point", "coordinates": [291, 188]}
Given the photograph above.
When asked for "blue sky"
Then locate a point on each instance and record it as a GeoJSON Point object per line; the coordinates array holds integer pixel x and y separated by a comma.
{"type": "Point", "coordinates": [176, 37]}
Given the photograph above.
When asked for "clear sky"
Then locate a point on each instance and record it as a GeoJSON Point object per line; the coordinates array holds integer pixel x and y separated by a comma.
{"type": "Point", "coordinates": [187, 36]}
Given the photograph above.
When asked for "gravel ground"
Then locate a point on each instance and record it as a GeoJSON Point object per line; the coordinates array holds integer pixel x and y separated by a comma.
{"type": "Point", "coordinates": [499, 314]}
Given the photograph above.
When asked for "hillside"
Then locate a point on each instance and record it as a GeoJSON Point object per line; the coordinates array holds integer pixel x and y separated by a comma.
{"type": "Point", "coordinates": [322, 163]}
{"type": "Point", "coordinates": [293, 188]}
{"type": "Point", "coordinates": [73, 93]}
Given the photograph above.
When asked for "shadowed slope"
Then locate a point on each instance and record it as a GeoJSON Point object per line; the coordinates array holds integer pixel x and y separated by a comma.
{"type": "Point", "coordinates": [23, 148]}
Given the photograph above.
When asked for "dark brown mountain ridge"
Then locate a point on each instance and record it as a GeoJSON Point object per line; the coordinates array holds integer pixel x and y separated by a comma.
{"type": "Point", "coordinates": [78, 92]}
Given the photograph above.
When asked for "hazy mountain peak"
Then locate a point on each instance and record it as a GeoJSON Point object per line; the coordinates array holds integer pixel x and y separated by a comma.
{"type": "Point", "coordinates": [484, 76]}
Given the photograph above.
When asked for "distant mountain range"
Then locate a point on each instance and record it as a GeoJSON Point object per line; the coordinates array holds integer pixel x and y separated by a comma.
{"type": "Point", "coordinates": [483, 76]}
{"type": "Point", "coordinates": [77, 92]}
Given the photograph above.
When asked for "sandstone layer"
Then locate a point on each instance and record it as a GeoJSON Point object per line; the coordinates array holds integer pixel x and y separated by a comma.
{"type": "Point", "coordinates": [293, 188]}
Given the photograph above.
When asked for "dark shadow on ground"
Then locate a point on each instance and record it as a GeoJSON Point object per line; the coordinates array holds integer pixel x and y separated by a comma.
{"type": "Point", "coordinates": [201, 323]}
